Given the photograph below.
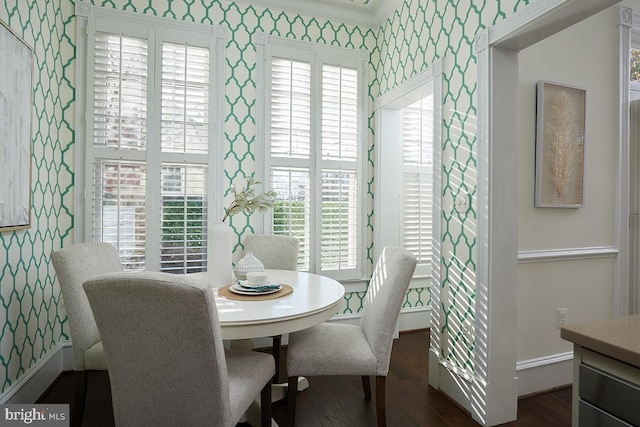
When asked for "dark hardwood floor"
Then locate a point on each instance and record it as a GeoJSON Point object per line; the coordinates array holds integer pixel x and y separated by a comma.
{"type": "Point", "coordinates": [339, 402]}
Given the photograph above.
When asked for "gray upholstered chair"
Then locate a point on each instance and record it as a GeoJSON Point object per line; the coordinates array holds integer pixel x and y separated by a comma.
{"type": "Point", "coordinates": [276, 251]}
{"type": "Point", "coordinates": [365, 349]}
{"type": "Point", "coordinates": [166, 359]}
{"type": "Point", "coordinates": [74, 265]}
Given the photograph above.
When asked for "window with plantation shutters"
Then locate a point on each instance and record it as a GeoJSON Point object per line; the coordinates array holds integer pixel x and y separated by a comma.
{"type": "Point", "coordinates": [315, 119]}
{"type": "Point", "coordinates": [149, 132]}
{"type": "Point", "coordinates": [417, 207]}
{"type": "Point", "coordinates": [404, 175]}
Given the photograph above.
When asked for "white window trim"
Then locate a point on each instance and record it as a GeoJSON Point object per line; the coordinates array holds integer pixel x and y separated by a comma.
{"type": "Point", "coordinates": [88, 15]}
{"type": "Point", "coordinates": [264, 44]}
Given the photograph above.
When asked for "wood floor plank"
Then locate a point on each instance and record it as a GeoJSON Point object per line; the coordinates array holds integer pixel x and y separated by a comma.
{"type": "Point", "coordinates": [339, 401]}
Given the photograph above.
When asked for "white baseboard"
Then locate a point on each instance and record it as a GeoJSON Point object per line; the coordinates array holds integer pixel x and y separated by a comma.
{"type": "Point", "coordinates": [544, 373]}
{"type": "Point", "coordinates": [29, 387]}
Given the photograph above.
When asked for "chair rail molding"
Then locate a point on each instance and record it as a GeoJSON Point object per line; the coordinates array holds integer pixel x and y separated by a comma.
{"type": "Point", "coordinates": [565, 254]}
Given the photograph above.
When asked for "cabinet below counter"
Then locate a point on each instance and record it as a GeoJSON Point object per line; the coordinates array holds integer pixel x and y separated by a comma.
{"type": "Point", "coordinates": [606, 373]}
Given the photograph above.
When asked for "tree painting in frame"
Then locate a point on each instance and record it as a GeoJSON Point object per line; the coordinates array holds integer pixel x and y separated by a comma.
{"type": "Point", "coordinates": [560, 136]}
{"type": "Point", "coordinates": [15, 130]}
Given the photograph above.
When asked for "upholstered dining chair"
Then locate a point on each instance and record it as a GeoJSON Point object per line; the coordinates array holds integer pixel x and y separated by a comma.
{"type": "Point", "coordinates": [276, 251]}
{"type": "Point", "coordinates": [365, 349]}
{"type": "Point", "coordinates": [165, 354]}
{"type": "Point", "coordinates": [74, 265]}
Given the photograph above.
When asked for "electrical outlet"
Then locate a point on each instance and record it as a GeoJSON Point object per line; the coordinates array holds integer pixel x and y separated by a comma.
{"type": "Point", "coordinates": [562, 317]}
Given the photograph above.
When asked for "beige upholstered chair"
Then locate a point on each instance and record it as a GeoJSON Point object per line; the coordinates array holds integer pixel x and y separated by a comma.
{"type": "Point", "coordinates": [74, 265]}
{"type": "Point", "coordinates": [276, 252]}
{"type": "Point", "coordinates": [365, 349]}
{"type": "Point", "coordinates": [166, 359]}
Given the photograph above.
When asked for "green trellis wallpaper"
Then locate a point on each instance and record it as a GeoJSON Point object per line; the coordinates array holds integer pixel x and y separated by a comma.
{"type": "Point", "coordinates": [405, 44]}
{"type": "Point", "coordinates": [30, 304]}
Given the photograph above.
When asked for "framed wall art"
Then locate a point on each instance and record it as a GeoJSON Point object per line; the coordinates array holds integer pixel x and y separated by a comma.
{"type": "Point", "coordinates": [16, 71]}
{"type": "Point", "coordinates": [560, 138]}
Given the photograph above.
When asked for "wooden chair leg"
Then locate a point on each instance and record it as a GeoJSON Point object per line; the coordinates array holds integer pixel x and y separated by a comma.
{"type": "Point", "coordinates": [366, 386]}
{"type": "Point", "coordinates": [381, 414]}
{"type": "Point", "coordinates": [79, 397]}
{"type": "Point", "coordinates": [292, 391]}
{"type": "Point", "coordinates": [265, 405]}
{"type": "Point", "coordinates": [276, 345]}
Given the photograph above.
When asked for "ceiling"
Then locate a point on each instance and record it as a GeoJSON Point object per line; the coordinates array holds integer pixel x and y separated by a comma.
{"type": "Point", "coordinates": [370, 13]}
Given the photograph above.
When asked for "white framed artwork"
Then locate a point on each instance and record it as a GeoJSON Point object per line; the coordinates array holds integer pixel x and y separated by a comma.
{"type": "Point", "coordinates": [16, 86]}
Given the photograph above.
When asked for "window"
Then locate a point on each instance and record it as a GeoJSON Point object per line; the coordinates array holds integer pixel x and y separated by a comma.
{"type": "Point", "coordinates": [404, 171]}
{"type": "Point", "coordinates": [417, 173]}
{"type": "Point", "coordinates": [151, 86]}
{"type": "Point", "coordinates": [315, 110]}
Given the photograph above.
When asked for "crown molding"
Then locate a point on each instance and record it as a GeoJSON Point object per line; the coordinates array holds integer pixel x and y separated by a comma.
{"type": "Point", "coordinates": [371, 14]}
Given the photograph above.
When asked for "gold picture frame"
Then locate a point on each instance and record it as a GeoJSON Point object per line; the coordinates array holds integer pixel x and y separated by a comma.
{"type": "Point", "coordinates": [560, 143]}
{"type": "Point", "coordinates": [16, 87]}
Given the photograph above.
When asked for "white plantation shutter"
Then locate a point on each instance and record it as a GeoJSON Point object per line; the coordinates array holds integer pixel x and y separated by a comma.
{"type": "Point", "coordinates": [291, 139]}
{"type": "Point", "coordinates": [290, 108]}
{"type": "Point", "coordinates": [417, 207]}
{"type": "Point", "coordinates": [150, 195]}
{"type": "Point", "coordinates": [292, 209]}
{"type": "Point", "coordinates": [339, 226]}
{"type": "Point", "coordinates": [339, 149]}
{"type": "Point", "coordinates": [339, 113]}
{"type": "Point", "coordinates": [185, 98]}
{"type": "Point", "coordinates": [119, 209]}
{"type": "Point", "coordinates": [184, 218]}
{"type": "Point", "coordinates": [120, 87]}
{"type": "Point", "coordinates": [315, 117]}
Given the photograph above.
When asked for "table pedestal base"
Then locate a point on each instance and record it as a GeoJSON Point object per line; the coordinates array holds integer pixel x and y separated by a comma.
{"type": "Point", "coordinates": [278, 392]}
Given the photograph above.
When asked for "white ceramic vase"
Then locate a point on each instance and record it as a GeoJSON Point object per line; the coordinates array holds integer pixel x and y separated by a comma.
{"type": "Point", "coordinates": [248, 263]}
{"type": "Point", "coordinates": [219, 251]}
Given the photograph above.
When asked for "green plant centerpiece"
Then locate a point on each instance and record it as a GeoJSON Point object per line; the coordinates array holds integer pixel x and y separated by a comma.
{"type": "Point", "coordinates": [248, 201]}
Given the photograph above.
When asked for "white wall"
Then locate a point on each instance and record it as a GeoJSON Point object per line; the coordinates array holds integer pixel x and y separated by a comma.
{"type": "Point", "coordinates": [585, 55]}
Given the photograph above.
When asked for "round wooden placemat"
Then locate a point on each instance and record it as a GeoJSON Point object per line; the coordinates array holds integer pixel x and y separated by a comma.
{"type": "Point", "coordinates": [225, 292]}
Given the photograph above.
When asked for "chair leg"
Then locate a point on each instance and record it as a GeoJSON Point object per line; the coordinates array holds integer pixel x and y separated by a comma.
{"type": "Point", "coordinates": [265, 405]}
{"type": "Point", "coordinates": [275, 349]}
{"type": "Point", "coordinates": [79, 397]}
{"type": "Point", "coordinates": [366, 386]}
{"type": "Point", "coordinates": [381, 413]}
{"type": "Point", "coordinates": [292, 391]}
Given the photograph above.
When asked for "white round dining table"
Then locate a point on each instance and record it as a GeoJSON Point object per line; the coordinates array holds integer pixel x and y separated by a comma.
{"type": "Point", "coordinates": [314, 299]}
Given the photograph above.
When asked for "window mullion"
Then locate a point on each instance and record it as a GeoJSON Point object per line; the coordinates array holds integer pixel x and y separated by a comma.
{"type": "Point", "coordinates": [316, 163]}
{"type": "Point", "coordinates": [154, 159]}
